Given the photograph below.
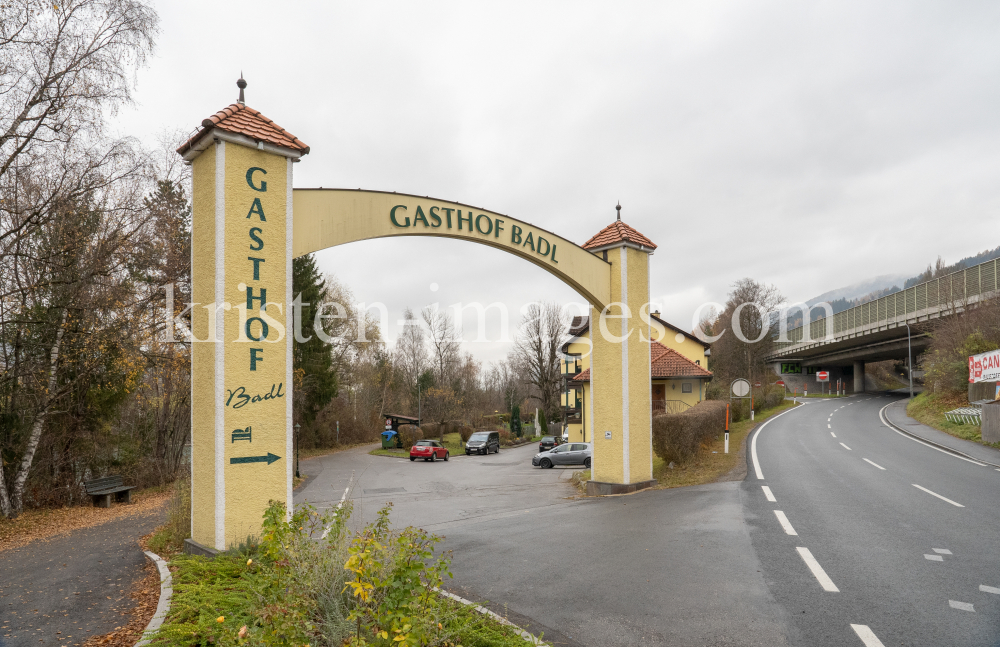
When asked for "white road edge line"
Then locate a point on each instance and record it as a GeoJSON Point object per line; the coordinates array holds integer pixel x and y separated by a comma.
{"type": "Point", "coordinates": [845, 446]}
{"type": "Point", "coordinates": [989, 589]}
{"type": "Point", "coordinates": [343, 497]}
{"type": "Point", "coordinates": [867, 636]}
{"type": "Point", "coordinates": [961, 606]}
{"type": "Point", "coordinates": [817, 570]}
{"type": "Point", "coordinates": [785, 524]}
{"type": "Point", "coordinates": [768, 494]}
{"type": "Point", "coordinates": [753, 443]}
{"type": "Point", "coordinates": [873, 463]}
{"type": "Point", "coordinates": [881, 415]}
{"type": "Point", "coordinates": [919, 487]}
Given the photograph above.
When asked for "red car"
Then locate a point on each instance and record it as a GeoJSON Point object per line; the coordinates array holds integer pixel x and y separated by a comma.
{"type": "Point", "coordinates": [429, 450]}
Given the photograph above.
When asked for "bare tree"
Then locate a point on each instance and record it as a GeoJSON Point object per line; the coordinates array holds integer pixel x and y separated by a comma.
{"type": "Point", "coordinates": [536, 351]}
{"type": "Point", "coordinates": [445, 343]}
{"type": "Point", "coordinates": [748, 326]}
{"type": "Point", "coordinates": [411, 351]}
{"type": "Point", "coordinates": [71, 211]}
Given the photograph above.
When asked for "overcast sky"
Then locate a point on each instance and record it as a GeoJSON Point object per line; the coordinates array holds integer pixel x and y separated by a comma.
{"type": "Point", "coordinates": [808, 145]}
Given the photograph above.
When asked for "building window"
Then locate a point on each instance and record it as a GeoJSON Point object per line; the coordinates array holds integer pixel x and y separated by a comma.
{"type": "Point", "coordinates": [686, 387]}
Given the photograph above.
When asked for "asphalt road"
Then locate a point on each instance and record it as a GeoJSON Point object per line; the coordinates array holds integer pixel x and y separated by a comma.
{"type": "Point", "coordinates": [903, 535]}
{"type": "Point", "coordinates": [669, 567]}
{"type": "Point", "coordinates": [64, 590]}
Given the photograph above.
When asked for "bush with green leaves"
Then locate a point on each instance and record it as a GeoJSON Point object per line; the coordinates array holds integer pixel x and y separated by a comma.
{"type": "Point", "coordinates": [312, 581]}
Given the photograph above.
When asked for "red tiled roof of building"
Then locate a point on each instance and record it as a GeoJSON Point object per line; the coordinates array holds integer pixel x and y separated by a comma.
{"type": "Point", "coordinates": [241, 120]}
{"type": "Point", "coordinates": [664, 363]}
{"type": "Point", "coordinates": [618, 232]}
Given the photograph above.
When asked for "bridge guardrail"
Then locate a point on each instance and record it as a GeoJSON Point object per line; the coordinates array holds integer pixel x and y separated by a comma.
{"type": "Point", "coordinates": [946, 292]}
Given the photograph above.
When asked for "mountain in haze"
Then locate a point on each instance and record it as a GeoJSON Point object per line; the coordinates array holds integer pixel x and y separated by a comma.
{"type": "Point", "coordinates": [852, 295]}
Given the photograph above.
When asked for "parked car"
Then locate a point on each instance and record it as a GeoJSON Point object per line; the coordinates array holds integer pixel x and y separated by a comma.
{"type": "Point", "coordinates": [483, 442]}
{"type": "Point", "coordinates": [566, 454]}
{"type": "Point", "coordinates": [548, 442]}
{"type": "Point", "coordinates": [429, 450]}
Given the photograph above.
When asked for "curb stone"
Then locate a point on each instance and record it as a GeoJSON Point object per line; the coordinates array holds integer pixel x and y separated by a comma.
{"type": "Point", "coordinates": [524, 634]}
{"type": "Point", "coordinates": [163, 606]}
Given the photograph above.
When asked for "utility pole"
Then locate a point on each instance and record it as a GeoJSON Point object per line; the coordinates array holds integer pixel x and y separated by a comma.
{"type": "Point", "coordinates": [909, 353]}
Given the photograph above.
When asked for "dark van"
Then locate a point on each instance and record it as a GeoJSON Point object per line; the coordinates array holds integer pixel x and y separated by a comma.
{"type": "Point", "coordinates": [483, 442]}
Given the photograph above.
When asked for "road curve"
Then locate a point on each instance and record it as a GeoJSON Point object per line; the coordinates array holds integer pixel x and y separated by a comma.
{"type": "Point", "coordinates": [868, 537]}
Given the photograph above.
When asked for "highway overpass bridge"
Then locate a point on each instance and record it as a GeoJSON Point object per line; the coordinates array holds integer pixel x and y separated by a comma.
{"type": "Point", "coordinates": [877, 330]}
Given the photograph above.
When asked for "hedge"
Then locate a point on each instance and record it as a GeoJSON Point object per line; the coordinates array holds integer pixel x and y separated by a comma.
{"type": "Point", "coordinates": [409, 434]}
{"type": "Point", "coordinates": [677, 436]}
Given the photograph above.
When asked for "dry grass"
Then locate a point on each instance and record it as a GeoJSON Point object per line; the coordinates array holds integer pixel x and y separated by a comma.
{"type": "Point", "coordinates": [710, 464]}
{"type": "Point", "coordinates": [929, 408]}
{"type": "Point", "coordinates": [45, 524]}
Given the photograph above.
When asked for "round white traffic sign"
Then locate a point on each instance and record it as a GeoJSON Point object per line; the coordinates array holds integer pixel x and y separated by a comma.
{"type": "Point", "coordinates": [741, 388]}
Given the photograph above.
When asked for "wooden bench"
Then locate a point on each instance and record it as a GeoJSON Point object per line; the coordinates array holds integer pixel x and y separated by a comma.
{"type": "Point", "coordinates": [101, 490]}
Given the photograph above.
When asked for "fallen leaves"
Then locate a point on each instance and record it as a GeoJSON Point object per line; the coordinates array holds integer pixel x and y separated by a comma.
{"type": "Point", "coordinates": [45, 524]}
{"type": "Point", "coordinates": [146, 594]}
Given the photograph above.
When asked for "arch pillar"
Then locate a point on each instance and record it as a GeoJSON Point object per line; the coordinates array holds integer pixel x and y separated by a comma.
{"type": "Point", "coordinates": [241, 357]}
{"type": "Point", "coordinates": [620, 367]}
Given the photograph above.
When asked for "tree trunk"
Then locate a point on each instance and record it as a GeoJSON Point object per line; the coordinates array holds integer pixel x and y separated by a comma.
{"type": "Point", "coordinates": [17, 503]}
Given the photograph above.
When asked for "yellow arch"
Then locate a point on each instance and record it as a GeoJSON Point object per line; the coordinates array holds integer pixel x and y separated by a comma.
{"type": "Point", "coordinates": [328, 217]}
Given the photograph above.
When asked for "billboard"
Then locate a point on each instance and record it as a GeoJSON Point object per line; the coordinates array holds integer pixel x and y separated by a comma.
{"type": "Point", "coordinates": [985, 367]}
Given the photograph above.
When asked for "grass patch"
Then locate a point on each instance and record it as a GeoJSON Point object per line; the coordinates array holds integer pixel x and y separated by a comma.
{"type": "Point", "coordinates": [706, 466]}
{"type": "Point", "coordinates": [397, 453]}
{"type": "Point", "coordinates": [929, 408]}
{"type": "Point", "coordinates": [169, 538]}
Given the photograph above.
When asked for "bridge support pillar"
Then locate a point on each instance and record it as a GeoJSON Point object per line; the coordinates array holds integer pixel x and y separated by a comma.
{"type": "Point", "coordinates": [859, 377]}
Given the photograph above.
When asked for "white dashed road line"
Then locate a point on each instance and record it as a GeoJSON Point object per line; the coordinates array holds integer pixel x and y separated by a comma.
{"type": "Point", "coordinates": [845, 446]}
{"type": "Point", "coordinates": [941, 551]}
{"type": "Point", "coordinates": [989, 589]}
{"type": "Point", "coordinates": [875, 464]}
{"type": "Point", "coordinates": [783, 520]}
{"type": "Point", "coordinates": [833, 434]}
{"type": "Point", "coordinates": [934, 558]}
{"type": "Point", "coordinates": [817, 570]}
{"type": "Point", "coordinates": [919, 487]}
{"type": "Point", "coordinates": [867, 636]}
{"type": "Point", "coordinates": [961, 606]}
{"type": "Point", "coordinates": [828, 426]}
{"type": "Point", "coordinates": [768, 494]}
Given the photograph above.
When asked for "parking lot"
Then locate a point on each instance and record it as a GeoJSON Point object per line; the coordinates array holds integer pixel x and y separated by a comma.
{"type": "Point", "coordinates": [656, 567]}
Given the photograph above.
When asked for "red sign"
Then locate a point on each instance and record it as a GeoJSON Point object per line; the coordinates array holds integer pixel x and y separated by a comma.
{"type": "Point", "coordinates": [985, 367]}
{"type": "Point", "coordinates": [822, 376]}
{"type": "Point", "coordinates": [780, 383]}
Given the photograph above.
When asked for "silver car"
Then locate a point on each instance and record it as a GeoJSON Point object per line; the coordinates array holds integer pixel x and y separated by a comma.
{"type": "Point", "coordinates": [567, 454]}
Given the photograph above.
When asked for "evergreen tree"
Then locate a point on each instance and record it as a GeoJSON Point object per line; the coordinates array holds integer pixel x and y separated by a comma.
{"type": "Point", "coordinates": [515, 421]}
{"type": "Point", "coordinates": [543, 422]}
{"type": "Point", "coordinates": [315, 378]}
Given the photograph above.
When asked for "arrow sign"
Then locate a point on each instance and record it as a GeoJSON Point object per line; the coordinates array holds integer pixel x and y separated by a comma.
{"type": "Point", "coordinates": [270, 458]}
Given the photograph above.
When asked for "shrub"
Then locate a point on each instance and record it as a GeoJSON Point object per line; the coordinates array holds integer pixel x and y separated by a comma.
{"type": "Point", "coordinates": [409, 434]}
{"type": "Point", "coordinates": [465, 432]}
{"type": "Point", "coordinates": [543, 423]}
{"type": "Point", "coordinates": [677, 436]}
{"type": "Point", "coordinates": [505, 437]}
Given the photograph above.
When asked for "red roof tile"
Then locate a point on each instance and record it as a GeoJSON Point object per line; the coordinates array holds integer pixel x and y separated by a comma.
{"type": "Point", "coordinates": [664, 363]}
{"type": "Point", "coordinates": [241, 120]}
{"type": "Point", "coordinates": [618, 232]}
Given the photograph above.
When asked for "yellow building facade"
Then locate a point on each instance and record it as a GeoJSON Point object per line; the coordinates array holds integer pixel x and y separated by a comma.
{"type": "Point", "coordinates": [679, 372]}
